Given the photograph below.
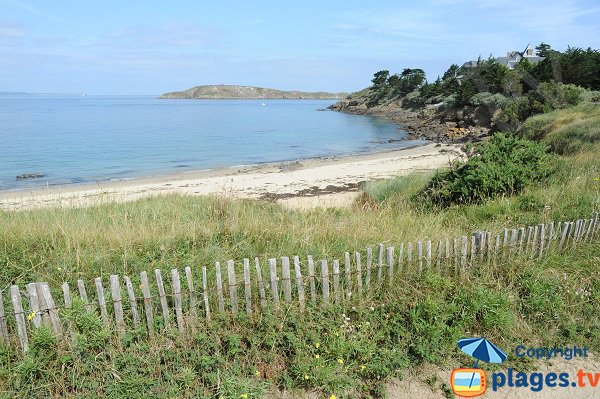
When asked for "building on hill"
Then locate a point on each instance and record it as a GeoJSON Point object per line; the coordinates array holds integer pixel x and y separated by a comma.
{"type": "Point", "coordinates": [512, 58]}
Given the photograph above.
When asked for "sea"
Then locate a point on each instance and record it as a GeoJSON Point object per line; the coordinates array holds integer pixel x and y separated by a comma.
{"type": "Point", "coordinates": [73, 139]}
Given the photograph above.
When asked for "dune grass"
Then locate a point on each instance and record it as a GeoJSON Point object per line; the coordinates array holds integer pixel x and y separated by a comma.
{"type": "Point", "coordinates": [566, 131]}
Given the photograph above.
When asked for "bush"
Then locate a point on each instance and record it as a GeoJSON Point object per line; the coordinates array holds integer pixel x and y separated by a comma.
{"type": "Point", "coordinates": [502, 165]}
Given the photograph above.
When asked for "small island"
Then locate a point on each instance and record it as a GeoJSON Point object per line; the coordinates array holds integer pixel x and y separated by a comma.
{"type": "Point", "coordinates": [248, 92]}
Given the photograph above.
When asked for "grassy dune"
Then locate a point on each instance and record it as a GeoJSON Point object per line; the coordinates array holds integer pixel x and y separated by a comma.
{"type": "Point", "coordinates": [343, 350]}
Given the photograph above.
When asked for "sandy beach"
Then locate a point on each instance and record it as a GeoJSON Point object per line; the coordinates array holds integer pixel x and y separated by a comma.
{"type": "Point", "coordinates": [302, 184]}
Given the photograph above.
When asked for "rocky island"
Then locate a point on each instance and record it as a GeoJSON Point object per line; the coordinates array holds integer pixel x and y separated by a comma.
{"type": "Point", "coordinates": [248, 92]}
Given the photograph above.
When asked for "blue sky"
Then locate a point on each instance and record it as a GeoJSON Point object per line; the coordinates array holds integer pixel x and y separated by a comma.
{"type": "Point", "coordinates": [150, 47]}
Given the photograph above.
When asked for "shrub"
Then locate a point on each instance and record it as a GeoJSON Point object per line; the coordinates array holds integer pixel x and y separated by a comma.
{"type": "Point", "coordinates": [502, 165]}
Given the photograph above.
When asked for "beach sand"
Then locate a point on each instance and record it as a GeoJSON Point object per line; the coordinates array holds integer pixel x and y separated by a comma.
{"type": "Point", "coordinates": [318, 182]}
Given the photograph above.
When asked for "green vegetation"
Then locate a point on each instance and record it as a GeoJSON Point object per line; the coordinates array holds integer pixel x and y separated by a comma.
{"type": "Point", "coordinates": [247, 92]}
{"type": "Point", "coordinates": [566, 131]}
{"type": "Point", "coordinates": [506, 96]}
{"type": "Point", "coordinates": [502, 165]}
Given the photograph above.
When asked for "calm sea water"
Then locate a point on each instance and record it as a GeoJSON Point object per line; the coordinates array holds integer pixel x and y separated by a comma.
{"type": "Point", "coordinates": [75, 139]}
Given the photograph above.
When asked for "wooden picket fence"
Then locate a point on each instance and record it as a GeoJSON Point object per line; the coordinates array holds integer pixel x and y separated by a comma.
{"type": "Point", "coordinates": [184, 307]}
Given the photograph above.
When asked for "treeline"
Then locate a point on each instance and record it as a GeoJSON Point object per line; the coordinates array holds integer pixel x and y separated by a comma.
{"type": "Point", "coordinates": [512, 95]}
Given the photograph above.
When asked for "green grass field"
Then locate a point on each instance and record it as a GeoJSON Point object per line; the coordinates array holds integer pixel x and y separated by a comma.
{"type": "Point", "coordinates": [345, 351]}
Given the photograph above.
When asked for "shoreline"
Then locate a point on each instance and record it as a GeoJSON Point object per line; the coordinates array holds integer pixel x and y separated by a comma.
{"type": "Point", "coordinates": [275, 181]}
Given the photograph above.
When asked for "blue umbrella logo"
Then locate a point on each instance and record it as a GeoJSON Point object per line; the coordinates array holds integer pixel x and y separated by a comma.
{"type": "Point", "coordinates": [481, 349]}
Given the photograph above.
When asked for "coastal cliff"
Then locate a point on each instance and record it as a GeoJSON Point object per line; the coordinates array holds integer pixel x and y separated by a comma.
{"type": "Point", "coordinates": [247, 92]}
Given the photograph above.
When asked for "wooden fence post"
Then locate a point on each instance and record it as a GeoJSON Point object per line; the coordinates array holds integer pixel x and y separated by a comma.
{"type": "Point", "coordinates": [504, 244]}
{"type": "Point", "coordinates": [455, 252]}
{"type": "Point", "coordinates": [496, 248]}
{"type": "Point", "coordinates": [219, 279]}
{"type": "Point", "coordinates": [463, 254]}
{"type": "Point", "coordinates": [390, 264]}
{"type": "Point", "coordinates": [529, 237]}
{"type": "Point", "coordinates": [299, 283]}
{"type": "Point", "coordinates": [43, 305]}
{"type": "Point", "coordinates": [428, 254]}
{"type": "Point", "coordinates": [542, 240]}
{"type": "Point", "coordinates": [247, 286]}
{"type": "Point", "coordinates": [409, 254]}
{"type": "Point", "coordinates": [325, 281]}
{"type": "Point", "coordinates": [521, 239]}
{"type": "Point", "coordinates": [193, 319]}
{"type": "Point", "coordinates": [447, 249]}
{"type": "Point", "coordinates": [379, 263]}
{"type": "Point", "coordinates": [400, 258]}
{"type": "Point", "coordinates": [286, 279]}
{"type": "Point", "coordinates": [261, 286]}
{"type": "Point", "coordinates": [490, 246]}
{"type": "Point", "coordinates": [34, 304]}
{"type": "Point", "coordinates": [274, 283]}
{"type": "Point", "coordinates": [359, 282]}
{"type": "Point", "coordinates": [66, 294]}
{"type": "Point", "coordinates": [135, 316]}
{"type": "Point", "coordinates": [148, 309]}
{"type": "Point", "coordinates": [83, 295]}
{"type": "Point", "coordinates": [535, 242]}
{"type": "Point", "coordinates": [563, 235]}
{"type": "Point", "coordinates": [232, 283]}
{"type": "Point", "coordinates": [177, 299]}
{"type": "Point", "coordinates": [115, 290]}
{"type": "Point", "coordinates": [420, 256]}
{"type": "Point", "coordinates": [347, 275]}
{"type": "Point", "coordinates": [369, 266]}
{"type": "Point", "coordinates": [473, 251]}
{"type": "Point", "coordinates": [438, 258]}
{"type": "Point", "coordinates": [311, 279]}
{"type": "Point", "coordinates": [101, 301]}
{"type": "Point", "coordinates": [162, 295]}
{"type": "Point", "coordinates": [3, 322]}
{"type": "Point", "coordinates": [17, 303]}
{"type": "Point", "coordinates": [336, 281]}
{"type": "Point", "coordinates": [52, 309]}
{"type": "Point", "coordinates": [205, 293]}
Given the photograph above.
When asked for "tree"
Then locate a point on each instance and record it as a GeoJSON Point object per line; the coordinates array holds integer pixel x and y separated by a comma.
{"type": "Point", "coordinates": [543, 49]}
{"type": "Point", "coordinates": [380, 78]}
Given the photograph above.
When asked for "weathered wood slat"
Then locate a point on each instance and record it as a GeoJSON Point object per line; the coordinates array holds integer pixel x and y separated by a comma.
{"type": "Point", "coordinates": [193, 311]}
{"type": "Point", "coordinates": [162, 296]}
{"type": "Point", "coordinates": [66, 294]}
{"type": "Point", "coordinates": [133, 306]}
{"type": "Point", "coordinates": [336, 281]}
{"type": "Point", "coordinates": [389, 255]}
{"type": "Point", "coordinates": [311, 279]}
{"type": "Point", "coordinates": [409, 254]}
{"type": "Point", "coordinates": [261, 286]}
{"type": "Point", "coordinates": [325, 281]}
{"type": "Point", "coordinates": [148, 308]}
{"type": "Point", "coordinates": [83, 295]}
{"type": "Point", "coordinates": [455, 252]}
{"type": "Point", "coordinates": [563, 235]}
{"type": "Point", "coordinates": [463, 254]}
{"type": "Point", "coordinates": [43, 305]}
{"type": "Point", "coordinates": [521, 239]}
{"type": "Point", "coordinates": [101, 301]}
{"type": "Point", "coordinates": [299, 283]}
{"type": "Point", "coordinates": [513, 242]}
{"type": "Point", "coordinates": [247, 286]}
{"type": "Point", "coordinates": [52, 310]}
{"type": "Point", "coordinates": [542, 240]}
{"type": "Point", "coordinates": [490, 246]}
{"type": "Point", "coordinates": [115, 290]}
{"type": "Point", "coordinates": [34, 304]}
{"type": "Point", "coordinates": [482, 246]}
{"type": "Point", "coordinates": [205, 293]}
{"type": "Point", "coordinates": [420, 256]}
{"type": "Point", "coordinates": [359, 274]}
{"type": "Point", "coordinates": [286, 279]}
{"type": "Point", "coordinates": [439, 256]}
{"type": "Point", "coordinates": [347, 275]}
{"type": "Point", "coordinates": [219, 278]}
{"type": "Point", "coordinates": [17, 305]}
{"type": "Point", "coordinates": [274, 282]}
{"type": "Point", "coordinates": [534, 244]}
{"type": "Point", "coordinates": [232, 284]}
{"type": "Point", "coordinates": [380, 250]}
{"type": "Point", "coordinates": [400, 258]}
{"type": "Point", "coordinates": [177, 299]}
{"type": "Point", "coordinates": [428, 254]}
{"type": "Point", "coordinates": [3, 322]}
{"type": "Point", "coordinates": [369, 266]}
{"type": "Point", "coordinates": [447, 254]}
{"type": "Point", "coordinates": [504, 244]}
{"type": "Point", "coordinates": [473, 251]}
{"type": "Point", "coordinates": [496, 248]}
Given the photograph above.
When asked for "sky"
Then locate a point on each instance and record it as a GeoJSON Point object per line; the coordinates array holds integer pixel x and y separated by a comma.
{"type": "Point", "coordinates": [151, 47]}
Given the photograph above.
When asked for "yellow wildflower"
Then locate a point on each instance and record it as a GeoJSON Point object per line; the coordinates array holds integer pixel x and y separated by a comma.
{"type": "Point", "coordinates": [31, 315]}
{"type": "Point", "coordinates": [363, 367]}
{"type": "Point", "coordinates": [306, 377]}
{"type": "Point", "coordinates": [317, 345]}
{"type": "Point", "coordinates": [333, 397]}
{"type": "Point", "coordinates": [244, 396]}
{"type": "Point", "coordinates": [341, 361]}
{"type": "Point", "coordinates": [257, 372]}
{"type": "Point", "coordinates": [317, 356]}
